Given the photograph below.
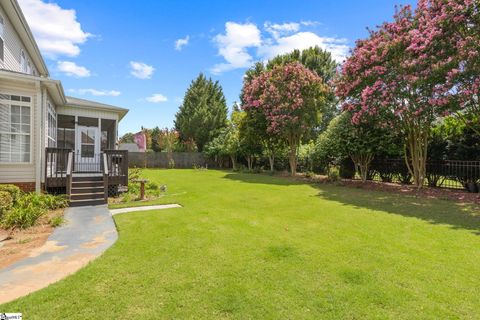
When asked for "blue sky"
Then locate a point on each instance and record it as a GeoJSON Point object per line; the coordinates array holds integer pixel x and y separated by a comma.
{"type": "Point", "coordinates": [142, 55]}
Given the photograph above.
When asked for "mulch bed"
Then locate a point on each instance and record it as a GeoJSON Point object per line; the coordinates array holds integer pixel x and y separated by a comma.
{"type": "Point", "coordinates": [457, 195]}
{"type": "Point", "coordinates": [17, 244]}
{"type": "Point", "coordinates": [426, 192]}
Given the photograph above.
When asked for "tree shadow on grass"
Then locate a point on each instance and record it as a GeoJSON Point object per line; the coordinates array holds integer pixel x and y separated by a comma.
{"type": "Point", "coordinates": [435, 211]}
{"type": "Point", "coordinates": [262, 178]}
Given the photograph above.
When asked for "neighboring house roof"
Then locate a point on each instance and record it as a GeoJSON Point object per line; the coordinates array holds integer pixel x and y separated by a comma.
{"type": "Point", "coordinates": [77, 102]}
{"type": "Point", "coordinates": [14, 12]}
{"type": "Point", "coordinates": [130, 147]}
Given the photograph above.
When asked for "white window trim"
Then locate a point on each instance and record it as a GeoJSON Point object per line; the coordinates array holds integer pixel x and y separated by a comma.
{"type": "Point", "coordinates": [29, 67]}
{"type": "Point", "coordinates": [32, 131]}
{"type": "Point", "coordinates": [2, 35]}
{"type": "Point", "coordinates": [23, 66]}
{"type": "Point", "coordinates": [51, 111]}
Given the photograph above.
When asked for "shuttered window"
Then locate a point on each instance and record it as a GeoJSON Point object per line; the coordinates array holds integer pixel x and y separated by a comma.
{"type": "Point", "coordinates": [15, 128]}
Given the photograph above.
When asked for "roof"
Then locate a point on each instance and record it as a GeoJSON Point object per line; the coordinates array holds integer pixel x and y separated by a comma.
{"type": "Point", "coordinates": [130, 147]}
{"type": "Point", "coordinates": [83, 103]}
{"type": "Point", "coordinates": [14, 12]}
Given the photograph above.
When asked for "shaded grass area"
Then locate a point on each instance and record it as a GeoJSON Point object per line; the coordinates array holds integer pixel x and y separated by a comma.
{"type": "Point", "coordinates": [254, 246]}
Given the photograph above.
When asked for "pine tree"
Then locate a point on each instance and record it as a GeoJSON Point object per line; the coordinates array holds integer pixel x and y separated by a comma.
{"type": "Point", "coordinates": [203, 112]}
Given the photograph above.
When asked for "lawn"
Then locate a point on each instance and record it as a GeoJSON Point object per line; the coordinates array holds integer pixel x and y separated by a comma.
{"type": "Point", "coordinates": [248, 246]}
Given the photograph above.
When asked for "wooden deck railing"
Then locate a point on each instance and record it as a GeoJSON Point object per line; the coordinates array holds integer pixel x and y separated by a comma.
{"type": "Point", "coordinates": [117, 164]}
{"type": "Point", "coordinates": [105, 176]}
{"type": "Point", "coordinates": [69, 173]}
{"type": "Point", "coordinates": [56, 167]}
{"type": "Point", "coordinates": [61, 164]}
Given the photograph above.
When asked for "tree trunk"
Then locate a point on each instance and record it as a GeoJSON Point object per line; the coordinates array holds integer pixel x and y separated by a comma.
{"type": "Point", "coordinates": [362, 163]}
{"type": "Point", "coordinates": [271, 160]}
{"type": "Point", "coordinates": [249, 162]}
{"type": "Point", "coordinates": [292, 158]}
{"type": "Point", "coordinates": [416, 152]}
{"type": "Point", "coordinates": [234, 162]}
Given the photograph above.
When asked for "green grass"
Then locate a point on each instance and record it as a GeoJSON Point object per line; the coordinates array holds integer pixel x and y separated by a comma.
{"type": "Point", "coordinates": [248, 246]}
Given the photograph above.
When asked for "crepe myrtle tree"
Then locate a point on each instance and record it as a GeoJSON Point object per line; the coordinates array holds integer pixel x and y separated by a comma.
{"type": "Point", "coordinates": [404, 71]}
{"type": "Point", "coordinates": [453, 31]}
{"type": "Point", "coordinates": [291, 98]}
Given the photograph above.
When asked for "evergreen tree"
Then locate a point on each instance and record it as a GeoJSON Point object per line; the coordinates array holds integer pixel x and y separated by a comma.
{"type": "Point", "coordinates": [203, 112]}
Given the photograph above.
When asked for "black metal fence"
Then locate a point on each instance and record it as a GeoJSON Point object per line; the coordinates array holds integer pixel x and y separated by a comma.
{"type": "Point", "coordinates": [90, 163]}
{"type": "Point", "coordinates": [454, 174]}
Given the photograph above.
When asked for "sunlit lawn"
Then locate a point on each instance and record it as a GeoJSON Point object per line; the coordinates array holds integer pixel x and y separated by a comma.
{"type": "Point", "coordinates": [248, 246]}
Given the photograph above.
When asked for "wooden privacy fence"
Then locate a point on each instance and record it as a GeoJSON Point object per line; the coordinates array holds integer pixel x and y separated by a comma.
{"type": "Point", "coordinates": [180, 160]}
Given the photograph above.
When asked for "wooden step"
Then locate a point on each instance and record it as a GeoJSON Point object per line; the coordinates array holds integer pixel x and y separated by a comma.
{"type": "Point", "coordinates": [87, 184]}
{"type": "Point", "coordinates": [87, 178]}
{"type": "Point", "coordinates": [96, 189]}
{"type": "Point", "coordinates": [87, 196]}
{"type": "Point", "coordinates": [87, 202]}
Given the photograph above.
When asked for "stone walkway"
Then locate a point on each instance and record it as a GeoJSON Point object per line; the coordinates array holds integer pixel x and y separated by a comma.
{"type": "Point", "coordinates": [145, 208]}
{"type": "Point", "coordinates": [88, 232]}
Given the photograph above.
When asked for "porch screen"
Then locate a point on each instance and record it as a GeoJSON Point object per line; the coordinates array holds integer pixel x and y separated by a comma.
{"type": "Point", "coordinates": [15, 128]}
{"type": "Point", "coordinates": [66, 132]}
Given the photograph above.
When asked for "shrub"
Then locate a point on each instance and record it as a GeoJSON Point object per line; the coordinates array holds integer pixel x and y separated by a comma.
{"type": "Point", "coordinates": [309, 174]}
{"type": "Point", "coordinates": [152, 189]}
{"type": "Point", "coordinates": [12, 189]}
{"type": "Point", "coordinates": [29, 207]}
{"type": "Point", "coordinates": [333, 174]}
{"type": "Point", "coordinates": [347, 169]}
{"type": "Point", "coordinates": [6, 202]}
{"type": "Point", "coordinates": [127, 197]}
{"type": "Point", "coordinates": [56, 221]}
{"type": "Point", "coordinates": [44, 201]}
{"type": "Point", "coordinates": [134, 173]}
{"type": "Point", "coordinates": [257, 170]}
{"type": "Point", "coordinates": [22, 218]}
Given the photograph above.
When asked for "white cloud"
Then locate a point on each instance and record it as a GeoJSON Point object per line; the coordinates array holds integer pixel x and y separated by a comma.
{"type": "Point", "coordinates": [233, 45]}
{"type": "Point", "coordinates": [157, 98]}
{"type": "Point", "coordinates": [95, 92]}
{"type": "Point", "coordinates": [304, 40]}
{"type": "Point", "coordinates": [277, 30]}
{"type": "Point", "coordinates": [56, 30]}
{"type": "Point", "coordinates": [310, 23]}
{"type": "Point", "coordinates": [72, 69]}
{"type": "Point", "coordinates": [182, 42]}
{"type": "Point", "coordinates": [141, 70]}
{"type": "Point", "coordinates": [277, 38]}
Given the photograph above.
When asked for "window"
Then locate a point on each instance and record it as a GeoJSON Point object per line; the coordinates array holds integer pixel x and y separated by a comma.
{"type": "Point", "coordinates": [23, 62]}
{"type": "Point", "coordinates": [66, 132]}
{"type": "Point", "coordinates": [15, 128]}
{"type": "Point", "coordinates": [2, 37]}
{"type": "Point", "coordinates": [107, 134]}
{"type": "Point", "coordinates": [51, 126]}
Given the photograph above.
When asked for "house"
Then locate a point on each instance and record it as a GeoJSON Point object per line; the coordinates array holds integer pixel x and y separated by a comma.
{"type": "Point", "coordinates": [130, 147]}
{"type": "Point", "coordinates": [49, 141]}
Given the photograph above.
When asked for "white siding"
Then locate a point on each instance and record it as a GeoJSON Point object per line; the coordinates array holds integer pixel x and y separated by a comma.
{"type": "Point", "coordinates": [12, 48]}
{"type": "Point", "coordinates": [22, 172]}
{"type": "Point", "coordinates": [85, 112]}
